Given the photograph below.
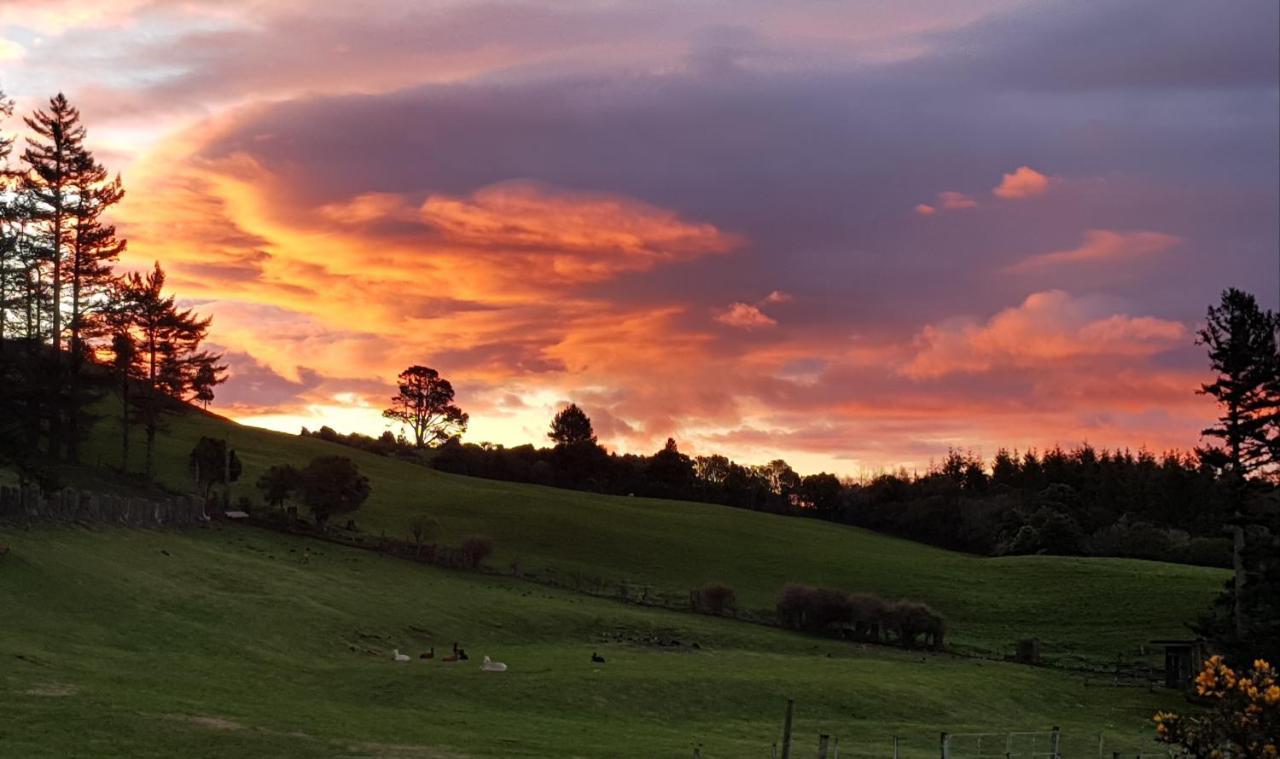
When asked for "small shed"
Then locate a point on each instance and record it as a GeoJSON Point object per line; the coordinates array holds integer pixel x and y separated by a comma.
{"type": "Point", "coordinates": [1183, 660]}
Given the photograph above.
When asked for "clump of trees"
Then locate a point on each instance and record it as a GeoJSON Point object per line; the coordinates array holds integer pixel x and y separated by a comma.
{"type": "Point", "coordinates": [859, 616]}
{"type": "Point", "coordinates": [71, 329]}
{"type": "Point", "coordinates": [327, 486]}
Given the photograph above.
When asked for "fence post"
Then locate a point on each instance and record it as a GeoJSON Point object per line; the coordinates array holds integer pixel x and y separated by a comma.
{"type": "Point", "coordinates": [697, 752]}
{"type": "Point", "coordinates": [786, 729]}
{"type": "Point", "coordinates": [1054, 742]}
{"type": "Point", "coordinates": [822, 745]}
{"type": "Point", "coordinates": [944, 742]}
{"type": "Point", "coordinates": [895, 747]}
{"type": "Point", "coordinates": [835, 748]}
{"type": "Point", "coordinates": [773, 750]}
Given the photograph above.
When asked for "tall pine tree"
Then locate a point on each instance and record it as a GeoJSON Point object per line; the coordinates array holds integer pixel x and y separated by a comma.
{"type": "Point", "coordinates": [1242, 343]}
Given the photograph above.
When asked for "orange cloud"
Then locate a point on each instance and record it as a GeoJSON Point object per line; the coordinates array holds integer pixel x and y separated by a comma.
{"type": "Point", "coordinates": [745, 316]}
{"type": "Point", "coordinates": [1046, 328]}
{"type": "Point", "coordinates": [1024, 182]}
{"type": "Point", "coordinates": [1102, 245]}
{"type": "Point", "coordinates": [924, 209]}
{"type": "Point", "coordinates": [610, 232]}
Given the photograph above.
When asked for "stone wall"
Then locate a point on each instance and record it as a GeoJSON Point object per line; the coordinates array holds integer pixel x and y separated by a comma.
{"type": "Point", "coordinates": [28, 505]}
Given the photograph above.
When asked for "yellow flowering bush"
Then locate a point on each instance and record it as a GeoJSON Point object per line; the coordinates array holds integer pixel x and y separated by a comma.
{"type": "Point", "coordinates": [1244, 720]}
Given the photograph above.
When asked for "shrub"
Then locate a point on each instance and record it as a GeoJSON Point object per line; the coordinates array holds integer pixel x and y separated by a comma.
{"type": "Point", "coordinates": [475, 550]}
{"type": "Point", "coordinates": [793, 601]}
{"type": "Point", "coordinates": [910, 620]}
{"type": "Point", "coordinates": [867, 611]}
{"type": "Point", "coordinates": [713, 598]}
{"type": "Point", "coordinates": [1243, 719]}
{"type": "Point", "coordinates": [801, 607]}
{"type": "Point", "coordinates": [861, 616]}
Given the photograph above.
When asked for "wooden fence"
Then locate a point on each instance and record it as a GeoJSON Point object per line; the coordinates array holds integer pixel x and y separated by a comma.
{"type": "Point", "coordinates": [28, 505]}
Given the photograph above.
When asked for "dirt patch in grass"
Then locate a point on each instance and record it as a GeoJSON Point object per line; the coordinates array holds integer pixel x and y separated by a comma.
{"type": "Point", "coordinates": [52, 690]}
{"type": "Point", "coordinates": [208, 722]}
{"type": "Point", "coordinates": [398, 751]}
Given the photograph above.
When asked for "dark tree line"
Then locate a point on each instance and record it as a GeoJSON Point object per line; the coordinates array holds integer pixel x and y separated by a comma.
{"type": "Point", "coordinates": [71, 328]}
{"type": "Point", "coordinates": [1080, 501]}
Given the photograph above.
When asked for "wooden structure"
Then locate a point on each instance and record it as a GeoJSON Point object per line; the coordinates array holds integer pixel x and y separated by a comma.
{"type": "Point", "coordinates": [1183, 660]}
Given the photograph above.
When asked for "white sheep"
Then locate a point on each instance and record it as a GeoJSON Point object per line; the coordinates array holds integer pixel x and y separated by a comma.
{"type": "Point", "coordinates": [490, 665]}
{"type": "Point", "coordinates": [399, 656]}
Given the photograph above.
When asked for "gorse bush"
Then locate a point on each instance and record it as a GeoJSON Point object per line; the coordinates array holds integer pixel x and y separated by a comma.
{"type": "Point", "coordinates": [713, 598]}
{"type": "Point", "coordinates": [1242, 721]}
{"type": "Point", "coordinates": [475, 549]}
{"type": "Point", "coordinates": [859, 616]}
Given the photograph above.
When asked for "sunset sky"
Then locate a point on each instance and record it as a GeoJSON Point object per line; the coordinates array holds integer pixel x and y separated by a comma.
{"type": "Point", "coordinates": [849, 234]}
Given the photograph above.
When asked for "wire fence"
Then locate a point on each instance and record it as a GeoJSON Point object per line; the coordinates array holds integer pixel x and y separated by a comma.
{"type": "Point", "coordinates": [1052, 743]}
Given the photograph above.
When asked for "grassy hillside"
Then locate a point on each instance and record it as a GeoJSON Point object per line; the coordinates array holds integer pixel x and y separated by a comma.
{"type": "Point", "coordinates": [222, 642]}
{"type": "Point", "coordinates": [1083, 609]}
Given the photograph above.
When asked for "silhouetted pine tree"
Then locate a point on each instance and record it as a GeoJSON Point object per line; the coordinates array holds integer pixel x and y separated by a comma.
{"type": "Point", "coordinates": [1242, 343]}
{"type": "Point", "coordinates": [52, 158]}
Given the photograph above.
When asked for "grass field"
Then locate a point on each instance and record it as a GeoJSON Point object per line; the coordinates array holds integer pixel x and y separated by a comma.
{"type": "Point", "coordinates": [1086, 611]}
{"type": "Point", "coordinates": [221, 642]}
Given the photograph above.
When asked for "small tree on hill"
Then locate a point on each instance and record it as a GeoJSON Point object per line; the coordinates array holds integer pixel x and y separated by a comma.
{"type": "Point", "coordinates": [423, 529]}
{"type": "Point", "coordinates": [212, 463]}
{"type": "Point", "coordinates": [333, 485]}
{"type": "Point", "coordinates": [425, 405]}
{"type": "Point", "coordinates": [279, 483]}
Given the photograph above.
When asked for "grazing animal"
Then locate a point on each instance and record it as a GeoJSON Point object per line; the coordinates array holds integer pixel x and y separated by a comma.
{"type": "Point", "coordinates": [597, 658]}
{"type": "Point", "coordinates": [4, 550]}
{"type": "Point", "coordinates": [395, 654]}
{"type": "Point", "coordinates": [462, 655]}
{"type": "Point", "coordinates": [451, 658]}
{"type": "Point", "coordinates": [430, 654]}
{"type": "Point", "coordinates": [490, 665]}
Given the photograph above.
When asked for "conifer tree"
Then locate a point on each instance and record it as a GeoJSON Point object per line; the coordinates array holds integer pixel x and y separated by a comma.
{"type": "Point", "coordinates": [1242, 343]}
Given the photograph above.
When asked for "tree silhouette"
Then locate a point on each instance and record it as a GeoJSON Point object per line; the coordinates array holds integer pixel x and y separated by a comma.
{"type": "Point", "coordinates": [571, 428]}
{"type": "Point", "coordinates": [213, 463]}
{"type": "Point", "coordinates": [168, 345]}
{"type": "Point", "coordinates": [1241, 339]}
{"type": "Point", "coordinates": [279, 483]}
{"type": "Point", "coordinates": [333, 485]}
{"type": "Point", "coordinates": [54, 156]}
{"type": "Point", "coordinates": [425, 405]}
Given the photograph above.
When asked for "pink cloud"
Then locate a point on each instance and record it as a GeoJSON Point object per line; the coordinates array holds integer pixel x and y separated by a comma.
{"type": "Point", "coordinates": [1047, 328]}
{"type": "Point", "coordinates": [924, 209]}
{"type": "Point", "coordinates": [745, 316]}
{"type": "Point", "coordinates": [778, 296]}
{"type": "Point", "coordinates": [953, 201]}
{"type": "Point", "coordinates": [1024, 182]}
{"type": "Point", "coordinates": [1102, 245]}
